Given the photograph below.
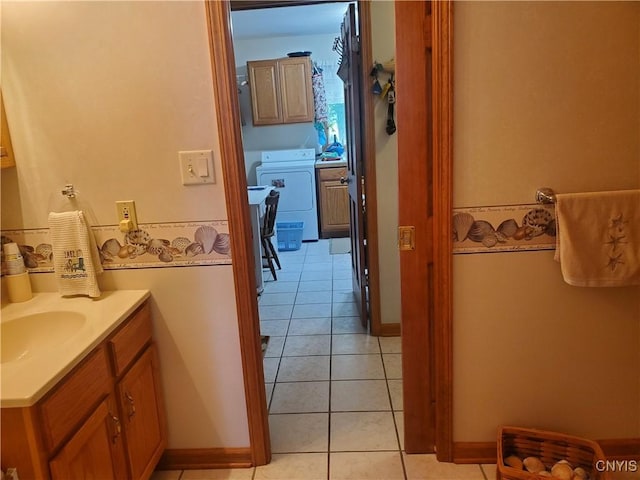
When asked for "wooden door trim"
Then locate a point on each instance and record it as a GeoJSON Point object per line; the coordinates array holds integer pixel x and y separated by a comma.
{"type": "Point", "coordinates": [370, 189]}
{"type": "Point", "coordinates": [234, 174]}
{"type": "Point", "coordinates": [442, 54]}
{"type": "Point", "coordinates": [413, 120]}
{"type": "Point", "coordinates": [428, 377]}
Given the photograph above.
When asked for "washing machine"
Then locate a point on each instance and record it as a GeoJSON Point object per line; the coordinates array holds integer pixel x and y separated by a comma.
{"type": "Point", "coordinates": [292, 173]}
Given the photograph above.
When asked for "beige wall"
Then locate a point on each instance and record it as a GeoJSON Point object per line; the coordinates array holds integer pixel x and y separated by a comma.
{"type": "Point", "coordinates": [104, 95]}
{"type": "Point", "coordinates": [383, 49]}
{"type": "Point", "coordinates": [546, 94]}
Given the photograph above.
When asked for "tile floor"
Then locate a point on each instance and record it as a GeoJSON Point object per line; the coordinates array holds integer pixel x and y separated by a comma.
{"type": "Point", "coordinates": [334, 393]}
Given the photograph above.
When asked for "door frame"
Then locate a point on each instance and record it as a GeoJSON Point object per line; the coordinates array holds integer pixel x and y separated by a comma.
{"type": "Point", "coordinates": [218, 16]}
{"type": "Point", "coordinates": [424, 76]}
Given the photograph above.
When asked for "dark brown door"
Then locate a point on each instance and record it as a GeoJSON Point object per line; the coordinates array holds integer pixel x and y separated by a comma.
{"type": "Point", "coordinates": [350, 72]}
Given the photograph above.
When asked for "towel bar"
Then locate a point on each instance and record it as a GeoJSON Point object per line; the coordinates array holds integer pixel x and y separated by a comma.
{"type": "Point", "coordinates": [545, 195]}
{"type": "Point", "coordinates": [69, 191]}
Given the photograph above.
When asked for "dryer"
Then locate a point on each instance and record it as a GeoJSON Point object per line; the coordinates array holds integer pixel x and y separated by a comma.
{"type": "Point", "coordinates": [292, 173]}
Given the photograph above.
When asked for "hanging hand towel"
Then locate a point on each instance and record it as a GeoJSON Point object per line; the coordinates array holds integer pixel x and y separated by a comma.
{"type": "Point", "coordinates": [598, 240]}
{"type": "Point", "coordinates": [75, 254]}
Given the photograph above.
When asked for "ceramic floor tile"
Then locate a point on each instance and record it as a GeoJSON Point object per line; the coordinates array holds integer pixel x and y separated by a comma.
{"type": "Point", "coordinates": [347, 325]}
{"type": "Point", "coordinates": [313, 297]}
{"type": "Point", "coordinates": [354, 343]}
{"type": "Point", "coordinates": [395, 392]}
{"type": "Point", "coordinates": [274, 328]}
{"type": "Point", "coordinates": [343, 296]}
{"type": "Point", "coordinates": [275, 312]}
{"type": "Point", "coordinates": [312, 310]}
{"type": "Point", "coordinates": [341, 259]}
{"type": "Point", "coordinates": [344, 309]}
{"type": "Point", "coordinates": [312, 276]}
{"type": "Point", "coordinates": [318, 258]}
{"type": "Point", "coordinates": [317, 267]}
{"type": "Point", "coordinates": [392, 364]}
{"type": "Point", "coordinates": [362, 431]}
{"type": "Point", "coordinates": [218, 474]}
{"type": "Point", "coordinates": [341, 285]}
{"type": "Point", "coordinates": [288, 276]}
{"type": "Point", "coordinates": [489, 470]}
{"type": "Point", "coordinates": [342, 274]}
{"type": "Point", "coordinates": [315, 286]}
{"type": "Point", "coordinates": [356, 367]}
{"type": "Point", "coordinates": [275, 346]}
{"type": "Point", "coordinates": [277, 299]}
{"type": "Point", "coordinates": [310, 326]}
{"type": "Point", "coordinates": [300, 397]}
{"type": "Point", "coordinates": [359, 396]}
{"type": "Point", "coordinates": [297, 369]}
{"type": "Point", "coordinates": [427, 467]}
{"type": "Point", "coordinates": [166, 475]}
{"type": "Point", "coordinates": [270, 366]}
{"type": "Point", "coordinates": [303, 345]}
{"type": "Point", "coordinates": [280, 287]}
{"type": "Point", "coordinates": [268, 392]}
{"type": "Point", "coordinates": [366, 465]}
{"type": "Point", "coordinates": [299, 432]}
{"type": "Point", "coordinates": [287, 261]}
{"type": "Point", "coordinates": [298, 466]}
{"type": "Point", "coordinates": [391, 344]}
{"type": "Point", "coordinates": [399, 419]}
{"type": "Point", "coordinates": [321, 247]}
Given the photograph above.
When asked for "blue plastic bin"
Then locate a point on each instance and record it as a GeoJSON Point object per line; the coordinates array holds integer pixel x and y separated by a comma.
{"type": "Point", "coordinates": [289, 235]}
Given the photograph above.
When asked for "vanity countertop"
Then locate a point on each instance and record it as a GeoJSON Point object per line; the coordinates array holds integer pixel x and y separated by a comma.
{"type": "Point", "coordinates": [331, 163]}
{"type": "Point", "coordinates": [25, 380]}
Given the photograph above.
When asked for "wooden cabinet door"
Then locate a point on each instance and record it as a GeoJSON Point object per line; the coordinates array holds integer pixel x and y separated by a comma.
{"type": "Point", "coordinates": [265, 92]}
{"type": "Point", "coordinates": [335, 206]}
{"type": "Point", "coordinates": [142, 415]}
{"type": "Point", "coordinates": [296, 89]}
{"type": "Point", "coordinates": [96, 450]}
{"type": "Point", "coordinates": [334, 201]}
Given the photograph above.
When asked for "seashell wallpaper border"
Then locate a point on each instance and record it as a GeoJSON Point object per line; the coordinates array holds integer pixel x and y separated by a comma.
{"type": "Point", "coordinates": [504, 228]}
{"type": "Point", "coordinates": [152, 245]}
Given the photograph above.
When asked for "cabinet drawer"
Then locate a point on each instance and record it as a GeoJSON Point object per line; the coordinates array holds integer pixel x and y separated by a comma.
{"type": "Point", "coordinates": [131, 339]}
{"type": "Point", "coordinates": [332, 173]}
{"type": "Point", "coordinates": [76, 397]}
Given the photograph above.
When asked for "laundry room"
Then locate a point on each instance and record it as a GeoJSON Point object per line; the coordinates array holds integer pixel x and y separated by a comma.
{"type": "Point", "coordinates": [263, 37]}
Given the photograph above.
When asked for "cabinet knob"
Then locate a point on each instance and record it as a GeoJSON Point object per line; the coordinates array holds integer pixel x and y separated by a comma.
{"type": "Point", "coordinates": [345, 180]}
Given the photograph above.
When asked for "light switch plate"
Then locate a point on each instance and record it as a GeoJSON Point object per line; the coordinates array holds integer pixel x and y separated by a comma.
{"type": "Point", "coordinates": [196, 167]}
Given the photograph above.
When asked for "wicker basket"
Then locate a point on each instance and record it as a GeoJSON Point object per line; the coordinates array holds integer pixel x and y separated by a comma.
{"type": "Point", "coordinates": [550, 447]}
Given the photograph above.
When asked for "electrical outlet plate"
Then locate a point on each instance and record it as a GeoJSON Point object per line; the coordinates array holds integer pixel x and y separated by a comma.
{"type": "Point", "coordinates": [127, 217]}
{"type": "Point", "coordinates": [196, 167]}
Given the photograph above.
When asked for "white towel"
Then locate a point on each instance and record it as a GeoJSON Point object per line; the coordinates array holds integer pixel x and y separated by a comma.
{"type": "Point", "coordinates": [598, 238]}
{"type": "Point", "coordinates": [76, 260]}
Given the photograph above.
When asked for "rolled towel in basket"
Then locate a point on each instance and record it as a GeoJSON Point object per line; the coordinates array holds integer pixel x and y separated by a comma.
{"type": "Point", "coordinates": [598, 240]}
{"type": "Point", "coordinates": [76, 260]}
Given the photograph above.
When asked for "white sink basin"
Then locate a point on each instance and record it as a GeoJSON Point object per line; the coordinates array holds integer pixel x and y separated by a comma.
{"type": "Point", "coordinates": [29, 335]}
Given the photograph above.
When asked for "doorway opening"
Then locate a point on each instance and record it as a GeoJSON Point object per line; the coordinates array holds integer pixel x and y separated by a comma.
{"type": "Point", "coordinates": [438, 16]}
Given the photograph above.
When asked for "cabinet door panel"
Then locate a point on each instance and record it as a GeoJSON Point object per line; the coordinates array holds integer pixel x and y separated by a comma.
{"type": "Point", "coordinates": [64, 409]}
{"type": "Point", "coordinates": [296, 88]}
{"type": "Point", "coordinates": [265, 95]}
{"type": "Point", "coordinates": [95, 451]}
{"type": "Point", "coordinates": [142, 415]}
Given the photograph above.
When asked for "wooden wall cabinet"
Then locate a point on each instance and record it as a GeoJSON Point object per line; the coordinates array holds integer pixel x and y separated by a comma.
{"type": "Point", "coordinates": [6, 150]}
{"type": "Point", "coordinates": [333, 201]}
{"type": "Point", "coordinates": [105, 419]}
{"type": "Point", "coordinates": [281, 90]}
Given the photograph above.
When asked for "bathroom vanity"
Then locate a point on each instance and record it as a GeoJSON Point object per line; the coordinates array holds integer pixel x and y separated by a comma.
{"type": "Point", "coordinates": [90, 406]}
